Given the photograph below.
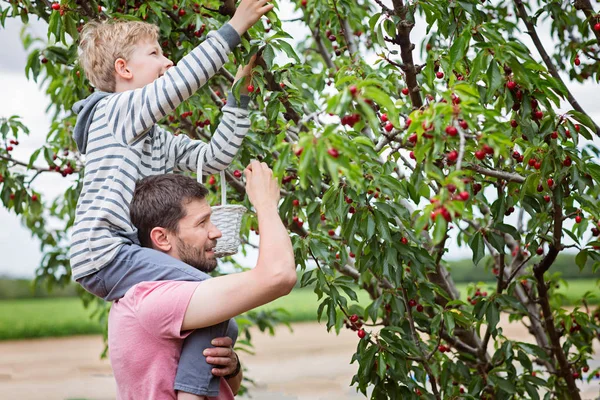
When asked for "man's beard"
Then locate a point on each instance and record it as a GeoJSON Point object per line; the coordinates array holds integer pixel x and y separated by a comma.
{"type": "Point", "coordinates": [196, 257]}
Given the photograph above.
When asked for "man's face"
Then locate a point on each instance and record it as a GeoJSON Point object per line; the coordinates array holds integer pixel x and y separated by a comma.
{"type": "Point", "coordinates": [195, 242]}
{"type": "Point", "coordinates": [147, 63]}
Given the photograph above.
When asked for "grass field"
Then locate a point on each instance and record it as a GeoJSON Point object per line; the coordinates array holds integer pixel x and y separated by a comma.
{"type": "Point", "coordinates": [34, 318]}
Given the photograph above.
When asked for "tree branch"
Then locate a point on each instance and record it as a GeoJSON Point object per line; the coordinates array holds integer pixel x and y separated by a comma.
{"type": "Point", "coordinates": [549, 64]}
{"type": "Point", "coordinates": [590, 14]}
{"type": "Point", "coordinates": [508, 176]}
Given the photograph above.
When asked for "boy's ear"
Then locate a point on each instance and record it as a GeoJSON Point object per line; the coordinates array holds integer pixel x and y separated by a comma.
{"type": "Point", "coordinates": [160, 239]}
{"type": "Point", "coordinates": [121, 69]}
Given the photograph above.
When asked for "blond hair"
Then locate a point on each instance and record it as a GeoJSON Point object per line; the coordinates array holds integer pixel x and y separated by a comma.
{"type": "Point", "coordinates": [101, 43]}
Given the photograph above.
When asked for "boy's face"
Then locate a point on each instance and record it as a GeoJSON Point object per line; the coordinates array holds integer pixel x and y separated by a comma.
{"type": "Point", "coordinates": [147, 63]}
{"type": "Point", "coordinates": [195, 241]}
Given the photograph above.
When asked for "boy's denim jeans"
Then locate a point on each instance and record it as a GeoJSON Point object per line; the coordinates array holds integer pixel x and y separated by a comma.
{"type": "Point", "coordinates": [134, 264]}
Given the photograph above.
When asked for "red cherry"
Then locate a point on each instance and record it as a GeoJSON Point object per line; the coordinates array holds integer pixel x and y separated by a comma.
{"type": "Point", "coordinates": [412, 303]}
{"type": "Point", "coordinates": [586, 368]}
{"type": "Point", "coordinates": [538, 114]}
{"type": "Point", "coordinates": [250, 88]}
{"type": "Point", "coordinates": [296, 202]}
{"type": "Point", "coordinates": [12, 196]}
{"type": "Point", "coordinates": [464, 196]}
{"type": "Point", "coordinates": [384, 118]}
{"type": "Point", "coordinates": [361, 333]}
{"type": "Point", "coordinates": [353, 318]}
{"type": "Point", "coordinates": [567, 162]}
{"type": "Point", "coordinates": [55, 6]}
{"type": "Point", "coordinates": [463, 124]}
{"type": "Point", "coordinates": [577, 61]}
{"type": "Point", "coordinates": [511, 85]}
{"type": "Point", "coordinates": [353, 90]}
{"type": "Point", "coordinates": [389, 126]}
{"type": "Point", "coordinates": [405, 91]}
{"type": "Point", "coordinates": [237, 173]}
{"type": "Point", "coordinates": [531, 162]}
{"type": "Point", "coordinates": [413, 138]}
{"type": "Point", "coordinates": [554, 135]}
{"type": "Point", "coordinates": [404, 240]}
{"type": "Point", "coordinates": [34, 197]}
{"type": "Point", "coordinates": [333, 153]}
{"type": "Point", "coordinates": [419, 307]}
{"type": "Point", "coordinates": [212, 180]}
{"type": "Point", "coordinates": [412, 155]}
{"type": "Point", "coordinates": [488, 149]}
{"type": "Point", "coordinates": [181, 12]}
{"type": "Point", "coordinates": [514, 123]}
{"type": "Point", "coordinates": [480, 154]}
{"type": "Point", "coordinates": [9, 148]}
{"type": "Point", "coordinates": [304, 3]}
{"type": "Point", "coordinates": [577, 127]}
{"type": "Point", "coordinates": [323, 217]}
{"type": "Point", "coordinates": [550, 182]}
{"type": "Point", "coordinates": [299, 151]}
{"type": "Point", "coordinates": [352, 255]}
{"type": "Point", "coordinates": [495, 271]}
{"type": "Point", "coordinates": [451, 130]}
{"type": "Point", "coordinates": [331, 232]}
{"type": "Point", "coordinates": [547, 199]}
{"type": "Point", "coordinates": [439, 74]}
{"type": "Point", "coordinates": [597, 27]}
{"type": "Point", "coordinates": [567, 133]}
{"type": "Point", "coordinates": [540, 251]}
{"type": "Point", "coordinates": [452, 156]}
{"type": "Point", "coordinates": [537, 165]}
{"type": "Point", "coordinates": [578, 219]}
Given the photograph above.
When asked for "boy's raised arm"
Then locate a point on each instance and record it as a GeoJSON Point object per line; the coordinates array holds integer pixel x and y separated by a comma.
{"type": "Point", "coordinates": [225, 142]}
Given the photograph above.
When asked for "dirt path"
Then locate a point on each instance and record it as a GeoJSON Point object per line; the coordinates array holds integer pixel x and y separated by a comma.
{"type": "Point", "coordinates": [307, 364]}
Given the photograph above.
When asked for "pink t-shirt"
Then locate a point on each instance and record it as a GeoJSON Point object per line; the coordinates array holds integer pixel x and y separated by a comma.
{"type": "Point", "coordinates": [145, 339]}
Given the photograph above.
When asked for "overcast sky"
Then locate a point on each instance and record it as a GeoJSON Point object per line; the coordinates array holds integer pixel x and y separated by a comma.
{"type": "Point", "coordinates": [18, 96]}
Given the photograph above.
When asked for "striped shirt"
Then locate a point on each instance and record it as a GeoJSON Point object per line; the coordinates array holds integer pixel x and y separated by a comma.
{"type": "Point", "coordinates": [124, 145]}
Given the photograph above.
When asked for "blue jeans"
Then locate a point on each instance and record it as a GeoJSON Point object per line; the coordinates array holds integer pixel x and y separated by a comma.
{"type": "Point", "coordinates": [134, 264]}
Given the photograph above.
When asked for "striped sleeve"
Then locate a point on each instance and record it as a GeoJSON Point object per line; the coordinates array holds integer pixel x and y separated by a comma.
{"type": "Point", "coordinates": [183, 152]}
{"type": "Point", "coordinates": [131, 114]}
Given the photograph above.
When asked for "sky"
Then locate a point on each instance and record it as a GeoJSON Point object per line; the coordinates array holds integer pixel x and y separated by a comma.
{"type": "Point", "coordinates": [18, 96]}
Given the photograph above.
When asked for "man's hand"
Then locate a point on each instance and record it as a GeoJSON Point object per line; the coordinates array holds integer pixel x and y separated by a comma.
{"type": "Point", "coordinates": [262, 189]}
{"type": "Point", "coordinates": [222, 355]}
{"type": "Point", "coordinates": [248, 13]}
{"type": "Point", "coordinates": [245, 72]}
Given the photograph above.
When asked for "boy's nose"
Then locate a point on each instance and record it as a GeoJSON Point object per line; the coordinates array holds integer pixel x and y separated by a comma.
{"type": "Point", "coordinates": [168, 63]}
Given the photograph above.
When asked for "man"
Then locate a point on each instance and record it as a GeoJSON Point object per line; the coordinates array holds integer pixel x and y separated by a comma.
{"type": "Point", "coordinates": [147, 326]}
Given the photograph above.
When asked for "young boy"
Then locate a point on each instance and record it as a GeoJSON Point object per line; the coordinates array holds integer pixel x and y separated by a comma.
{"type": "Point", "coordinates": [116, 129]}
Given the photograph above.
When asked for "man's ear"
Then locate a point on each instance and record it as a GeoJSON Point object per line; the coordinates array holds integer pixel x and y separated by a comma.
{"type": "Point", "coordinates": [122, 70]}
{"type": "Point", "coordinates": [160, 239]}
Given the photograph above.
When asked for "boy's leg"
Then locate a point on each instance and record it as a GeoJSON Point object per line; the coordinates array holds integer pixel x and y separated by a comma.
{"type": "Point", "coordinates": [134, 264]}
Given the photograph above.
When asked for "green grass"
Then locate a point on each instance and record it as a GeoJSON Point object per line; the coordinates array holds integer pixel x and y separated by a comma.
{"type": "Point", "coordinates": [33, 318]}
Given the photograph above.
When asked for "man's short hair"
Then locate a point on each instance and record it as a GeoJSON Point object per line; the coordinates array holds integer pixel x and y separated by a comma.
{"type": "Point", "coordinates": [159, 201]}
{"type": "Point", "coordinates": [102, 42]}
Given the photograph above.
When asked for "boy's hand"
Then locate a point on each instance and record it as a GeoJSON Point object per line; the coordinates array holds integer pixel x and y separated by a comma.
{"type": "Point", "coordinates": [248, 13]}
{"type": "Point", "coordinates": [245, 73]}
{"type": "Point", "coordinates": [222, 355]}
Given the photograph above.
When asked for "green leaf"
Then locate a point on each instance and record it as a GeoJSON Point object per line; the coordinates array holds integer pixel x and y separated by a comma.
{"type": "Point", "coordinates": [492, 315]}
{"type": "Point", "coordinates": [268, 56]}
{"type": "Point", "coordinates": [477, 246]}
{"type": "Point", "coordinates": [494, 78]}
{"type": "Point", "coordinates": [581, 259]}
